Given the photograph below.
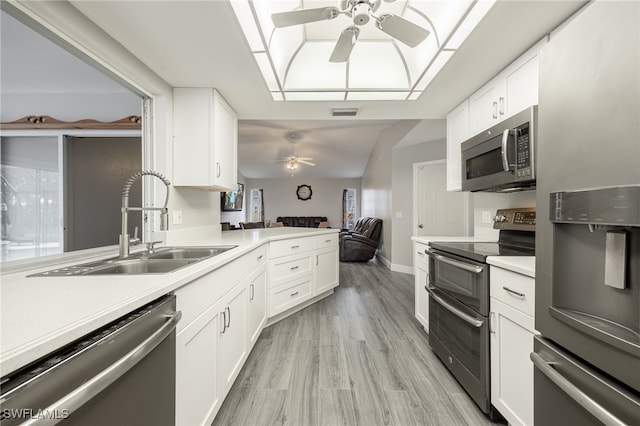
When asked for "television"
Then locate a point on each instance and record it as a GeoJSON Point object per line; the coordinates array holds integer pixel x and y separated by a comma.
{"type": "Point", "coordinates": [231, 201]}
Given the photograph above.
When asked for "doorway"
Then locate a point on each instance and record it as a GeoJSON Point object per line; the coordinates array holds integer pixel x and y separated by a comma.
{"type": "Point", "coordinates": [436, 210]}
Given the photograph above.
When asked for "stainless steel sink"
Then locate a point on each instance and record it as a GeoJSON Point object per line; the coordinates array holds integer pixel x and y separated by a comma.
{"type": "Point", "coordinates": [141, 266]}
{"type": "Point", "coordinates": [189, 252]}
{"type": "Point", "coordinates": [162, 261]}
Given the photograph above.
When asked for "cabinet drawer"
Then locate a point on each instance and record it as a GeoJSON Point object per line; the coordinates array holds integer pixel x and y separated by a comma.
{"type": "Point", "coordinates": [290, 294]}
{"type": "Point", "coordinates": [290, 246]}
{"type": "Point", "coordinates": [327, 240]}
{"type": "Point", "coordinates": [420, 259]}
{"type": "Point", "coordinates": [287, 268]}
{"type": "Point", "coordinates": [515, 290]}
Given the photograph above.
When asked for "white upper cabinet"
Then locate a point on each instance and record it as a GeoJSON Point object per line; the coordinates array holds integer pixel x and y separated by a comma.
{"type": "Point", "coordinates": [457, 132]}
{"type": "Point", "coordinates": [205, 141]}
{"type": "Point", "coordinates": [511, 91]}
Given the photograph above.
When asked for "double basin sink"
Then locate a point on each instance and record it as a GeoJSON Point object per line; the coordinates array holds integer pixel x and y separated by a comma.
{"type": "Point", "coordinates": [160, 261]}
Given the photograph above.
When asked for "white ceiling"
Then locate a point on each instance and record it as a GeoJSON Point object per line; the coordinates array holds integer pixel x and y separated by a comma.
{"type": "Point", "coordinates": [200, 44]}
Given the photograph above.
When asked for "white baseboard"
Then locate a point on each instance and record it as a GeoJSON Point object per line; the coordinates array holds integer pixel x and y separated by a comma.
{"type": "Point", "coordinates": [402, 268]}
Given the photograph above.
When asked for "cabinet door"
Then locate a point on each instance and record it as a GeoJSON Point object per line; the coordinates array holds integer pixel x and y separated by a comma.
{"type": "Point", "coordinates": [457, 132]}
{"type": "Point", "coordinates": [198, 396]}
{"type": "Point", "coordinates": [326, 269]}
{"type": "Point", "coordinates": [205, 140]}
{"type": "Point", "coordinates": [225, 135]}
{"type": "Point", "coordinates": [422, 297]}
{"type": "Point", "coordinates": [521, 85]}
{"type": "Point", "coordinates": [232, 338]}
{"type": "Point", "coordinates": [484, 106]}
{"type": "Point", "coordinates": [520, 89]}
{"type": "Point", "coordinates": [192, 138]}
{"type": "Point", "coordinates": [257, 293]}
{"type": "Point", "coordinates": [511, 368]}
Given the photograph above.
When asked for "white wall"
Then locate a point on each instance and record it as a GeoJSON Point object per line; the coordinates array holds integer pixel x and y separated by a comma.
{"type": "Point", "coordinates": [376, 183]}
{"type": "Point", "coordinates": [280, 197]}
{"type": "Point", "coordinates": [402, 197]}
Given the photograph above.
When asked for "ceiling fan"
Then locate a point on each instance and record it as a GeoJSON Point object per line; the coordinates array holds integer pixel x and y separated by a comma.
{"type": "Point", "coordinates": [293, 161]}
{"type": "Point", "coordinates": [361, 11]}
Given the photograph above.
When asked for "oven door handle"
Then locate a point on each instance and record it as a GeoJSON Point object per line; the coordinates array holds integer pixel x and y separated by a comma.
{"type": "Point", "coordinates": [595, 409]}
{"type": "Point", "coordinates": [455, 311]}
{"type": "Point", "coordinates": [462, 265]}
{"type": "Point", "coordinates": [78, 397]}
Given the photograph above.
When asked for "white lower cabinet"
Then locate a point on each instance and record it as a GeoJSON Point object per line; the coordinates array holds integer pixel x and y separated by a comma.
{"type": "Point", "coordinates": [512, 331]}
{"type": "Point", "coordinates": [232, 345]}
{"type": "Point", "coordinates": [421, 276]}
{"type": "Point", "coordinates": [198, 396]}
{"type": "Point", "coordinates": [225, 311]}
{"type": "Point", "coordinates": [326, 269]}
{"type": "Point", "coordinates": [257, 293]}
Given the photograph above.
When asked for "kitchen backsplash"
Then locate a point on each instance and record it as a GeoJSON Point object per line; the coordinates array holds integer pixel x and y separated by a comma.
{"type": "Point", "coordinates": [485, 206]}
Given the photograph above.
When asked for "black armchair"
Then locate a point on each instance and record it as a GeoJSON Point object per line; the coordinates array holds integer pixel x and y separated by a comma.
{"type": "Point", "coordinates": [360, 244]}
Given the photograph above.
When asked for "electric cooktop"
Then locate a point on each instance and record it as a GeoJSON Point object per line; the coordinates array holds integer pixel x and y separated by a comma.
{"type": "Point", "coordinates": [517, 238]}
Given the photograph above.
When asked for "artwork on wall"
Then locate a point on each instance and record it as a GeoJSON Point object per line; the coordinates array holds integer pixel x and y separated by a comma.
{"type": "Point", "coordinates": [231, 201]}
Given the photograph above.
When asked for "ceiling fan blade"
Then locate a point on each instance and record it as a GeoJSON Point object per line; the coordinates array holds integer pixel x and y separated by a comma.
{"type": "Point", "coordinates": [305, 158]}
{"type": "Point", "coordinates": [345, 44]}
{"type": "Point", "coordinates": [308, 163]}
{"type": "Point", "coordinates": [304, 16]}
{"type": "Point", "coordinates": [401, 29]}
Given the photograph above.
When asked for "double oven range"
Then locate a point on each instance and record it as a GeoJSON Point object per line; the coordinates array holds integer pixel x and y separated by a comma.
{"type": "Point", "coordinates": [459, 299]}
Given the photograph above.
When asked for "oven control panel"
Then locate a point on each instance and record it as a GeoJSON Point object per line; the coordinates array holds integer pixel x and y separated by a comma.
{"type": "Point", "coordinates": [521, 219]}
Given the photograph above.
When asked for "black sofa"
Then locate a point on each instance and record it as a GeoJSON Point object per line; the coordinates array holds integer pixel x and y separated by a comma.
{"type": "Point", "coordinates": [360, 244]}
{"type": "Point", "coordinates": [301, 221]}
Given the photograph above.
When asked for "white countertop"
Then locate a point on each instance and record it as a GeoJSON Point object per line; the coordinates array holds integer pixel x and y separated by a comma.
{"type": "Point", "coordinates": [41, 314]}
{"type": "Point", "coordinates": [427, 239]}
{"type": "Point", "coordinates": [525, 265]}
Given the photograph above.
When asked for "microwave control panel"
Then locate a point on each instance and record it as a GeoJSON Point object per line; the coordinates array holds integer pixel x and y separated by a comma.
{"type": "Point", "coordinates": [524, 150]}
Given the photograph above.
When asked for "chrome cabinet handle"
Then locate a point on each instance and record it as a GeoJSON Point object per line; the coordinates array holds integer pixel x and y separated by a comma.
{"type": "Point", "coordinates": [420, 253]}
{"type": "Point", "coordinates": [228, 317]}
{"type": "Point", "coordinates": [293, 268]}
{"type": "Point", "coordinates": [595, 409]}
{"type": "Point", "coordinates": [293, 294]}
{"type": "Point", "coordinates": [251, 291]}
{"type": "Point", "coordinates": [503, 150]}
{"type": "Point", "coordinates": [260, 257]}
{"type": "Point", "coordinates": [501, 105]}
{"type": "Point", "coordinates": [495, 109]}
{"type": "Point", "coordinates": [223, 317]}
{"type": "Point", "coordinates": [218, 170]}
{"type": "Point", "coordinates": [455, 311]}
{"type": "Point", "coordinates": [467, 267]}
{"type": "Point", "coordinates": [295, 247]}
{"type": "Point", "coordinates": [515, 293]}
{"type": "Point", "coordinates": [79, 396]}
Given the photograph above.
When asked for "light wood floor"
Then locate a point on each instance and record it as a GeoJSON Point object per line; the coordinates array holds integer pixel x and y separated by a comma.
{"type": "Point", "coordinates": [358, 357]}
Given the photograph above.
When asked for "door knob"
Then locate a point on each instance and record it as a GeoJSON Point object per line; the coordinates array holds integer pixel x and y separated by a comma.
{"type": "Point", "coordinates": [420, 226]}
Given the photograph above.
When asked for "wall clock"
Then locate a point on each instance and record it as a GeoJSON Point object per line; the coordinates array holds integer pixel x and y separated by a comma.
{"type": "Point", "coordinates": [304, 192]}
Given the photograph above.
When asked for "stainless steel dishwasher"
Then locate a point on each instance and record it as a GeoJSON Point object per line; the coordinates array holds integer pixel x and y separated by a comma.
{"type": "Point", "coordinates": [121, 374]}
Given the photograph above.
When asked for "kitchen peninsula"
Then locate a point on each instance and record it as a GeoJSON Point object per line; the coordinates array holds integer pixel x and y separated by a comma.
{"type": "Point", "coordinates": [42, 314]}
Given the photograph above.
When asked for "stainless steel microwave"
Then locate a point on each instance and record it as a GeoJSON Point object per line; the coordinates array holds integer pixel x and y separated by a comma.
{"type": "Point", "coordinates": [502, 158]}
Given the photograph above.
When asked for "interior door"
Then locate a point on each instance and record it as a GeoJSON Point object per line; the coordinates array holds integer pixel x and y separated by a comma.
{"type": "Point", "coordinates": [439, 212]}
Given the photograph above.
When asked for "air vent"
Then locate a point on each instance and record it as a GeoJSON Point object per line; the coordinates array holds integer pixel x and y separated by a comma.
{"type": "Point", "coordinates": [344, 112]}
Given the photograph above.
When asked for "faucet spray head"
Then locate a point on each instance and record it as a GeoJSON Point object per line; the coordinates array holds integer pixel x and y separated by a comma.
{"type": "Point", "coordinates": [164, 220]}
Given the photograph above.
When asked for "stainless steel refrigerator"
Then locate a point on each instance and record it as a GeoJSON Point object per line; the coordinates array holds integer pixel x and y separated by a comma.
{"type": "Point", "coordinates": [587, 359]}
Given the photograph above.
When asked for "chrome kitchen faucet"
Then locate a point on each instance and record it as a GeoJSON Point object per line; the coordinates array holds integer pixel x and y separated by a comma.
{"type": "Point", "coordinates": [164, 214]}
